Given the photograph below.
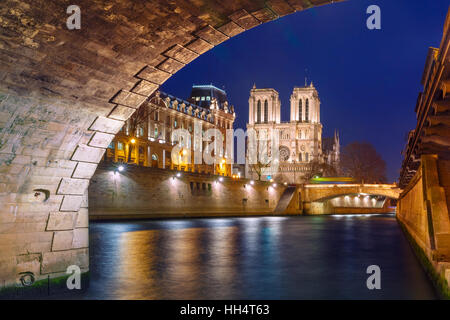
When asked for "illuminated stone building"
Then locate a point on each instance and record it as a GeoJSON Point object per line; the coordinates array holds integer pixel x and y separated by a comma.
{"type": "Point", "coordinates": [300, 138]}
{"type": "Point", "coordinates": [146, 138]}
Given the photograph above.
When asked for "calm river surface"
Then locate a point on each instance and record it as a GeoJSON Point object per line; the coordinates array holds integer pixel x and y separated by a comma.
{"type": "Point", "coordinates": [305, 257]}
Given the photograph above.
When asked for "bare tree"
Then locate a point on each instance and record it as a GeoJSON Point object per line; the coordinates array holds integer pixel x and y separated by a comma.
{"type": "Point", "coordinates": [259, 158]}
{"type": "Point", "coordinates": [319, 168]}
{"type": "Point", "coordinates": [361, 161]}
{"type": "Point", "coordinates": [258, 168]}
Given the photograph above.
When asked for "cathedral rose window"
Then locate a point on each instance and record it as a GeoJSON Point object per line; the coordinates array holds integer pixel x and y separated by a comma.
{"type": "Point", "coordinates": [284, 153]}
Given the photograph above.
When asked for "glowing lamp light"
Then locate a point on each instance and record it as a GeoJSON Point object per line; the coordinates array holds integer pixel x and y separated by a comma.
{"type": "Point", "coordinates": [184, 152]}
{"type": "Point", "coordinates": [133, 140]}
{"type": "Point", "coordinates": [285, 183]}
{"type": "Point", "coordinates": [274, 185]}
{"type": "Point", "coordinates": [121, 168]}
{"type": "Point", "coordinates": [252, 182]}
{"type": "Point", "coordinates": [220, 179]}
{"type": "Point", "coordinates": [178, 174]}
{"type": "Point", "coordinates": [223, 161]}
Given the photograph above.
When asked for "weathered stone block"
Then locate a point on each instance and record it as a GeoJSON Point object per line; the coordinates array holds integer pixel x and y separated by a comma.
{"type": "Point", "coordinates": [244, 19]}
{"type": "Point", "coordinates": [145, 88]}
{"type": "Point", "coordinates": [59, 261]}
{"type": "Point", "coordinates": [85, 201]}
{"type": "Point", "coordinates": [298, 4]}
{"type": "Point", "coordinates": [84, 170]}
{"type": "Point", "coordinates": [153, 75]}
{"type": "Point", "coordinates": [71, 203]}
{"type": "Point", "coordinates": [28, 263]}
{"type": "Point", "coordinates": [181, 54]}
{"type": "Point", "coordinates": [101, 140]}
{"type": "Point", "coordinates": [281, 7]}
{"type": "Point", "coordinates": [211, 35]}
{"type": "Point", "coordinates": [73, 186]}
{"type": "Point", "coordinates": [265, 15]}
{"type": "Point", "coordinates": [88, 154]}
{"type": "Point", "coordinates": [62, 240]}
{"type": "Point", "coordinates": [121, 113]}
{"type": "Point", "coordinates": [82, 218]}
{"type": "Point", "coordinates": [170, 65]}
{"type": "Point", "coordinates": [199, 46]}
{"type": "Point", "coordinates": [231, 29]}
{"type": "Point", "coordinates": [129, 99]}
{"type": "Point", "coordinates": [106, 125]}
{"type": "Point", "coordinates": [80, 238]}
{"type": "Point", "coordinates": [311, 3]}
{"type": "Point", "coordinates": [61, 221]}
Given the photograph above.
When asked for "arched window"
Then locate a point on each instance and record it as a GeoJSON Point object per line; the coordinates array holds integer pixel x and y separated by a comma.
{"type": "Point", "coordinates": [307, 110]}
{"type": "Point", "coordinates": [258, 112]}
{"type": "Point", "coordinates": [300, 157]}
{"type": "Point", "coordinates": [300, 110]}
{"type": "Point", "coordinates": [154, 157]}
{"type": "Point", "coordinates": [306, 156]}
{"type": "Point", "coordinates": [266, 111]}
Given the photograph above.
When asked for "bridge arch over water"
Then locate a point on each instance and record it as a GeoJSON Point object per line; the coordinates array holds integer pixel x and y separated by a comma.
{"type": "Point", "coordinates": [320, 193]}
{"type": "Point", "coordinates": [65, 93]}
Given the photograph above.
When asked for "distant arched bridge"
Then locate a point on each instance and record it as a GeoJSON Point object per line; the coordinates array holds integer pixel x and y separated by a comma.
{"type": "Point", "coordinates": [323, 192]}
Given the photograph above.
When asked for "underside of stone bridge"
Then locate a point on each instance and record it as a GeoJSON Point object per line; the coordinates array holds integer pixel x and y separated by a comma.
{"type": "Point", "coordinates": [64, 94]}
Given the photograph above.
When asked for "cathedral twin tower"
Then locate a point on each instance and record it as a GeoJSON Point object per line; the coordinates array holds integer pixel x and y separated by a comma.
{"type": "Point", "coordinates": [300, 138]}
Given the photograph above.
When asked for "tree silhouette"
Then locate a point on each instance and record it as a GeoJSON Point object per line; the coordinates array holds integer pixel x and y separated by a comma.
{"type": "Point", "coordinates": [319, 168]}
{"type": "Point", "coordinates": [361, 161]}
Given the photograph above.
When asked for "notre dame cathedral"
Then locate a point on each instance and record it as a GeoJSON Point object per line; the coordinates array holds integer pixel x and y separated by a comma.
{"type": "Point", "coordinates": [300, 140]}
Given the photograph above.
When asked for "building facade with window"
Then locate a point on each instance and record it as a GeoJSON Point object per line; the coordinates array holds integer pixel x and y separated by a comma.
{"type": "Point", "coordinates": [300, 138]}
{"type": "Point", "coordinates": [146, 138]}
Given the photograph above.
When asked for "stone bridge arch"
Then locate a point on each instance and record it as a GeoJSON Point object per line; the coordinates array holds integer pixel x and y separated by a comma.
{"type": "Point", "coordinates": [64, 94]}
{"type": "Point", "coordinates": [320, 193]}
{"type": "Point", "coordinates": [317, 199]}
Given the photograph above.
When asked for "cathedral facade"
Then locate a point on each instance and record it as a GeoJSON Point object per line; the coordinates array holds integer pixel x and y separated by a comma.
{"type": "Point", "coordinates": [301, 149]}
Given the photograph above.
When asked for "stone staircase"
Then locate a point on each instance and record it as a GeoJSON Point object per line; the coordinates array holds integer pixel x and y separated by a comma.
{"type": "Point", "coordinates": [285, 199]}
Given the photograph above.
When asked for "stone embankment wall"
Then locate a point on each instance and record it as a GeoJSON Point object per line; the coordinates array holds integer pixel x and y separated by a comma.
{"type": "Point", "coordinates": [423, 212]}
{"type": "Point", "coordinates": [141, 192]}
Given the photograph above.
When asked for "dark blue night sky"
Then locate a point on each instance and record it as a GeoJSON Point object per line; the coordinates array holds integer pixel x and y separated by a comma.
{"type": "Point", "coordinates": [368, 80]}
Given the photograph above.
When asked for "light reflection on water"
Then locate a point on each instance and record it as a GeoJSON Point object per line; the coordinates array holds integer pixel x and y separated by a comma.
{"type": "Point", "coordinates": [308, 257]}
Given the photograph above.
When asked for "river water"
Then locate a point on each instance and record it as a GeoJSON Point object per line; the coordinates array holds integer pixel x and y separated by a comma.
{"type": "Point", "coordinates": [304, 257]}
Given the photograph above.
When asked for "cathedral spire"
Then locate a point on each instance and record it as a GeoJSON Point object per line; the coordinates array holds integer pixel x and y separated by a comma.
{"type": "Point", "coordinates": [306, 77]}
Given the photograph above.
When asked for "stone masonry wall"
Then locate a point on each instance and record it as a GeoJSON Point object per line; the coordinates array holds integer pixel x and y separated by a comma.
{"type": "Point", "coordinates": [411, 211]}
{"type": "Point", "coordinates": [142, 192]}
{"type": "Point", "coordinates": [422, 209]}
